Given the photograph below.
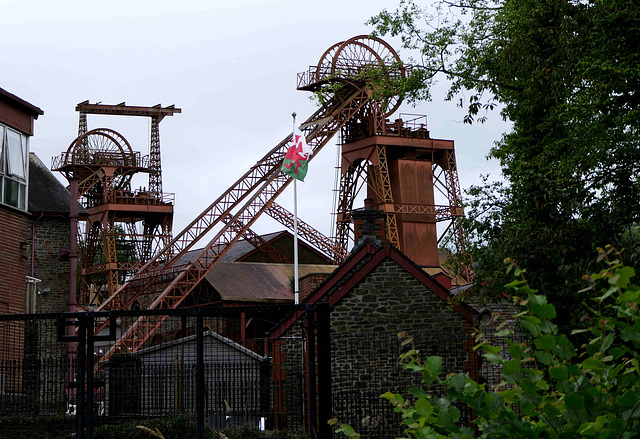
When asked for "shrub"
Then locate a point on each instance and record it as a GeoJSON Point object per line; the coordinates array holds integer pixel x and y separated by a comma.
{"type": "Point", "coordinates": [184, 427]}
{"type": "Point", "coordinates": [36, 427]}
{"type": "Point", "coordinates": [171, 427]}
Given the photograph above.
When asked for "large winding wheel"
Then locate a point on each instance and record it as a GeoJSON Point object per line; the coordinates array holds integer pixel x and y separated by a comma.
{"type": "Point", "coordinates": [96, 149]}
{"type": "Point", "coordinates": [352, 59]}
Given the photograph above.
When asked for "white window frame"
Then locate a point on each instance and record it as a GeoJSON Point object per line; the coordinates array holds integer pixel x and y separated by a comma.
{"type": "Point", "coordinates": [15, 154]}
{"type": "Point", "coordinates": [14, 170]}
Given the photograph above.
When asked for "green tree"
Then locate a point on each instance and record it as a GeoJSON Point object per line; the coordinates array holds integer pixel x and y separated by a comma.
{"type": "Point", "coordinates": [566, 73]}
{"type": "Point", "coordinates": [550, 388]}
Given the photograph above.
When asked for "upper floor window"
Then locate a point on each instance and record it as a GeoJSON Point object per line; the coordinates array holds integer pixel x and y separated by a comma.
{"type": "Point", "coordinates": [13, 167]}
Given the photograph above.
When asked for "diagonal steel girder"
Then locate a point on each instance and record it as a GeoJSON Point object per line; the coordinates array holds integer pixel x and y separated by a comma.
{"type": "Point", "coordinates": [259, 187]}
{"type": "Point", "coordinates": [315, 237]}
{"type": "Point", "coordinates": [322, 125]}
{"type": "Point", "coordinates": [261, 244]}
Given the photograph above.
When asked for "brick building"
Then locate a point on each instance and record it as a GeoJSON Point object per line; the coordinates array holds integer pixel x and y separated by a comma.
{"type": "Point", "coordinates": [16, 127]}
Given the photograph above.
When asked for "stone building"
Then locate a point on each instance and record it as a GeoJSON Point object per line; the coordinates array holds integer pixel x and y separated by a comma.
{"type": "Point", "coordinates": [377, 293]}
{"type": "Point", "coordinates": [382, 304]}
{"type": "Point", "coordinates": [49, 234]}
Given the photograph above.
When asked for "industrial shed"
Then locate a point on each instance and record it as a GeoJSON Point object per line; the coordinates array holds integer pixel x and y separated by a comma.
{"type": "Point", "coordinates": [162, 379]}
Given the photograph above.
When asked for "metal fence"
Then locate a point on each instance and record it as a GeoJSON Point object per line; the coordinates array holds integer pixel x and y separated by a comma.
{"type": "Point", "coordinates": [222, 365]}
{"type": "Point", "coordinates": [217, 364]}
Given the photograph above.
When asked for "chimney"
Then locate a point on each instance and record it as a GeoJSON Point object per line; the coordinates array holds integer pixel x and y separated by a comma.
{"type": "Point", "coordinates": [369, 223]}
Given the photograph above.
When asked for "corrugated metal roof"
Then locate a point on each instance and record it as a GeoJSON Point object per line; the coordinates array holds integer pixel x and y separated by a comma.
{"type": "Point", "coordinates": [258, 282]}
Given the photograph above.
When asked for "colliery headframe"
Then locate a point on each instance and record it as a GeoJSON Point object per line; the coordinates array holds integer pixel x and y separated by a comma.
{"type": "Point", "coordinates": [129, 257]}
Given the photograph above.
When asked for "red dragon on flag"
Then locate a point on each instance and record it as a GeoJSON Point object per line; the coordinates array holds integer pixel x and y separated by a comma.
{"type": "Point", "coordinates": [296, 160]}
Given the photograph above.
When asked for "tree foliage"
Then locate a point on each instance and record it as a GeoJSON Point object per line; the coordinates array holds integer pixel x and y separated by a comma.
{"type": "Point", "coordinates": [566, 73]}
{"type": "Point", "coordinates": [550, 387]}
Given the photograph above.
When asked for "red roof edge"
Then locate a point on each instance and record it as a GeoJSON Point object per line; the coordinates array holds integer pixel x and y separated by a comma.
{"type": "Point", "coordinates": [378, 255]}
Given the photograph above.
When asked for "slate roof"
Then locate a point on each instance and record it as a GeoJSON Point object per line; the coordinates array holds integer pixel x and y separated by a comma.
{"type": "Point", "coordinates": [46, 194]}
{"type": "Point", "coordinates": [163, 347]}
{"type": "Point", "coordinates": [237, 251]}
{"type": "Point", "coordinates": [243, 248]}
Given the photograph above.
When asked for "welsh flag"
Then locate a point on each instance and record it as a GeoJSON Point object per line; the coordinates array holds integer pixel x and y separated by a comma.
{"type": "Point", "coordinates": [296, 161]}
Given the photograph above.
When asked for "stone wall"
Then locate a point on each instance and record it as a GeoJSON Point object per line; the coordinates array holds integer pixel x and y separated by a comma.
{"type": "Point", "coordinates": [497, 317]}
{"type": "Point", "coordinates": [365, 347]}
{"type": "Point", "coordinates": [390, 299]}
{"type": "Point", "coordinates": [51, 236]}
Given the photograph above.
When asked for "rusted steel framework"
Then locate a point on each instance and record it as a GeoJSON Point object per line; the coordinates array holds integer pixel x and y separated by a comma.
{"type": "Point", "coordinates": [168, 277]}
{"type": "Point", "coordinates": [405, 172]}
{"type": "Point", "coordinates": [125, 226]}
{"type": "Point", "coordinates": [306, 231]}
{"type": "Point", "coordinates": [341, 80]}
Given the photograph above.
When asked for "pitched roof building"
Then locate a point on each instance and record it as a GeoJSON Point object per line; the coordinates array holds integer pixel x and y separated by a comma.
{"type": "Point", "coordinates": [17, 118]}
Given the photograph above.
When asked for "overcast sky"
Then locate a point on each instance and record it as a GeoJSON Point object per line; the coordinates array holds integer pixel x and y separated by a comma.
{"type": "Point", "coordinates": [229, 65]}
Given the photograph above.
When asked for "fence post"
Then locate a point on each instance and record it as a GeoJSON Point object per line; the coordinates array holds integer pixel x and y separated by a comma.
{"type": "Point", "coordinates": [312, 370]}
{"type": "Point", "coordinates": [325, 412]}
{"type": "Point", "coordinates": [89, 353]}
{"type": "Point", "coordinates": [199, 376]}
{"type": "Point", "coordinates": [266, 368]}
{"type": "Point", "coordinates": [82, 351]}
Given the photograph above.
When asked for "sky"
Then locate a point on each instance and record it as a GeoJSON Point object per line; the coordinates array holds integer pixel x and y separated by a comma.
{"type": "Point", "coordinates": [230, 66]}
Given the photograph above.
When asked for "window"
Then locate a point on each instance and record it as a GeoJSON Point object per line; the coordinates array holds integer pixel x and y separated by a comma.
{"type": "Point", "coordinates": [15, 154]}
{"type": "Point", "coordinates": [13, 168]}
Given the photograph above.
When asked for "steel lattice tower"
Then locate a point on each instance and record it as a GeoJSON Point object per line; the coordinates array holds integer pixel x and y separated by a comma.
{"type": "Point", "coordinates": [125, 226]}
{"type": "Point", "coordinates": [342, 80]}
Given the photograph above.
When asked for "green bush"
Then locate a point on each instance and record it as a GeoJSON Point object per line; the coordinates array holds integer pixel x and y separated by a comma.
{"type": "Point", "coordinates": [550, 388]}
{"type": "Point", "coordinates": [184, 427]}
{"type": "Point", "coordinates": [38, 427]}
{"type": "Point", "coordinates": [251, 432]}
{"type": "Point", "coordinates": [171, 427]}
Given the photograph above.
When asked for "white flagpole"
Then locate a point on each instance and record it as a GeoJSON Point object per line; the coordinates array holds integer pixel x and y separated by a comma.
{"type": "Point", "coordinates": [295, 228]}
